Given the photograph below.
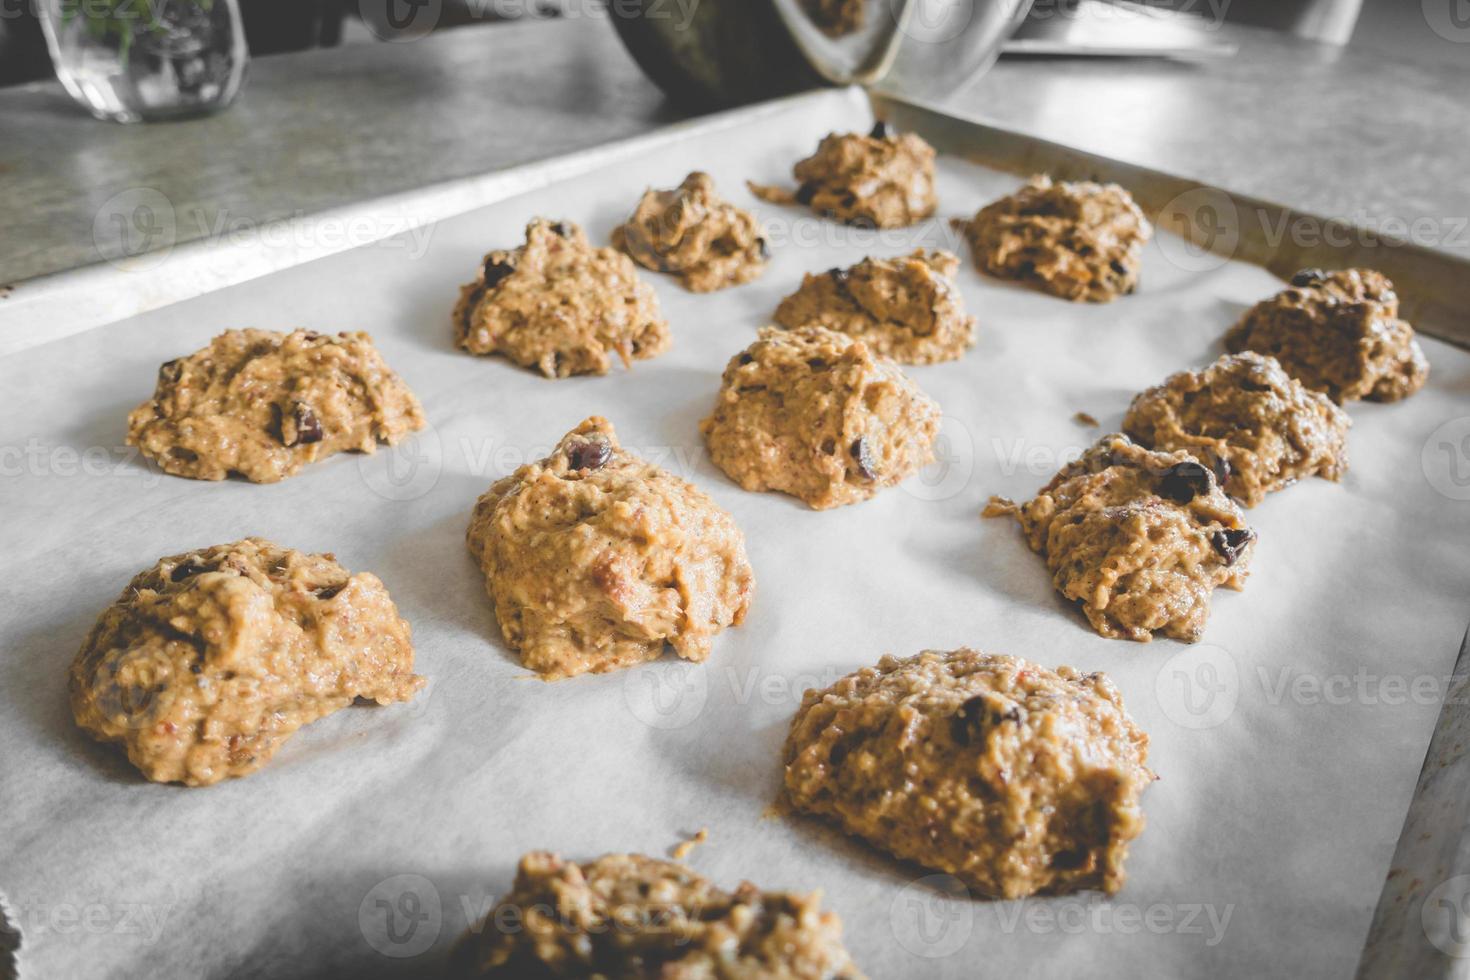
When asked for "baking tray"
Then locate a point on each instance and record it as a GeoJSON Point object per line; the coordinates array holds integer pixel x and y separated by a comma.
{"type": "Point", "coordinates": [1272, 831]}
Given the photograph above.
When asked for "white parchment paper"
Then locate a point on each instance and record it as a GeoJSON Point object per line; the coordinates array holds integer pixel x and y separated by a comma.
{"type": "Point", "coordinates": [1288, 742]}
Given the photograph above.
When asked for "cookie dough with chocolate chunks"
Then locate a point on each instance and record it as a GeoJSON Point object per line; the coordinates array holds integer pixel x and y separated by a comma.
{"type": "Point", "coordinates": [1015, 779]}
{"type": "Point", "coordinates": [1139, 539]}
{"type": "Point", "coordinates": [596, 558]}
{"type": "Point", "coordinates": [559, 306]}
{"type": "Point", "coordinates": [263, 404]}
{"type": "Point", "coordinates": [691, 232]}
{"type": "Point", "coordinates": [882, 180]}
{"type": "Point", "coordinates": [906, 308]}
{"type": "Point", "coordinates": [1258, 428]}
{"type": "Point", "coordinates": [818, 415]}
{"type": "Point", "coordinates": [631, 916]}
{"type": "Point", "coordinates": [1079, 241]}
{"type": "Point", "coordinates": [1337, 333]}
{"type": "Point", "coordinates": [211, 659]}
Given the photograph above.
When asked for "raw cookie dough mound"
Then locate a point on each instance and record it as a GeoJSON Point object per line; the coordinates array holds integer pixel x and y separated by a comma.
{"type": "Point", "coordinates": [818, 415]}
{"type": "Point", "coordinates": [264, 404]}
{"type": "Point", "coordinates": [560, 306]}
{"type": "Point", "coordinates": [836, 18]}
{"type": "Point", "coordinates": [1252, 423]}
{"type": "Point", "coordinates": [1338, 333]}
{"type": "Point", "coordinates": [1081, 241]}
{"type": "Point", "coordinates": [1011, 777]}
{"type": "Point", "coordinates": [630, 916]}
{"type": "Point", "coordinates": [691, 232]}
{"type": "Point", "coordinates": [1139, 538]}
{"type": "Point", "coordinates": [882, 180]}
{"type": "Point", "coordinates": [904, 308]}
{"type": "Point", "coordinates": [596, 559]}
{"type": "Point", "coordinates": [210, 660]}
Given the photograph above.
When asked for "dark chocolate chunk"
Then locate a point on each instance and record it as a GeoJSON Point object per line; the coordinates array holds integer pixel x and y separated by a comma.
{"type": "Point", "coordinates": [968, 724]}
{"type": "Point", "coordinates": [881, 131]}
{"type": "Point", "coordinates": [496, 270]}
{"type": "Point", "coordinates": [763, 248]}
{"type": "Point", "coordinates": [863, 456]}
{"type": "Point", "coordinates": [839, 276]}
{"type": "Point", "coordinates": [805, 193]}
{"type": "Point", "coordinates": [329, 592]}
{"type": "Point", "coordinates": [1220, 465]}
{"type": "Point", "coordinates": [1184, 481]}
{"type": "Point", "coordinates": [561, 228]}
{"type": "Point", "coordinates": [746, 357]}
{"type": "Point", "coordinates": [590, 455]}
{"type": "Point", "coordinates": [1232, 542]}
{"type": "Point", "coordinates": [170, 371]}
{"type": "Point", "coordinates": [308, 426]}
{"type": "Point", "coordinates": [188, 568]}
{"type": "Point", "coordinates": [1308, 277]}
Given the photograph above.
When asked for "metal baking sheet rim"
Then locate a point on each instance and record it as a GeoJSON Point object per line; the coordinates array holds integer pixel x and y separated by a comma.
{"type": "Point", "coordinates": [1435, 287]}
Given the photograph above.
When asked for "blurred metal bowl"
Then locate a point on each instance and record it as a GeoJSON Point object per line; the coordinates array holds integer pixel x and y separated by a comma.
{"type": "Point", "coordinates": [715, 53]}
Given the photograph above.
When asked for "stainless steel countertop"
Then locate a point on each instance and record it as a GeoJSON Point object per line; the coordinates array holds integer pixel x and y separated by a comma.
{"type": "Point", "coordinates": [1323, 130]}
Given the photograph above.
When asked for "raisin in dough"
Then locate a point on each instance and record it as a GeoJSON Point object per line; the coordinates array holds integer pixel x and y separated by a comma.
{"type": "Point", "coordinates": [1081, 241]}
{"type": "Point", "coordinates": [596, 559]}
{"type": "Point", "coordinates": [630, 916]}
{"type": "Point", "coordinates": [211, 659]}
{"type": "Point", "coordinates": [264, 404]}
{"type": "Point", "coordinates": [818, 415]}
{"type": "Point", "coordinates": [905, 308]}
{"type": "Point", "coordinates": [560, 306]}
{"type": "Point", "coordinates": [836, 18]}
{"type": "Point", "coordinates": [879, 180]}
{"type": "Point", "coordinates": [1139, 538]}
{"type": "Point", "coordinates": [1337, 333]}
{"type": "Point", "coordinates": [1011, 777]}
{"type": "Point", "coordinates": [1258, 428]}
{"type": "Point", "coordinates": [692, 233]}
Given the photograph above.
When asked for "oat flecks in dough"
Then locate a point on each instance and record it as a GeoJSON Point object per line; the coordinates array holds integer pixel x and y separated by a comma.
{"type": "Point", "coordinates": [1079, 241]}
{"type": "Point", "coordinates": [905, 308]}
{"type": "Point", "coordinates": [818, 415]}
{"type": "Point", "coordinates": [1014, 778]}
{"type": "Point", "coordinates": [211, 659]}
{"type": "Point", "coordinates": [1258, 428]}
{"type": "Point", "coordinates": [882, 180]}
{"type": "Point", "coordinates": [1338, 333]}
{"type": "Point", "coordinates": [596, 558]}
{"type": "Point", "coordinates": [836, 18]}
{"type": "Point", "coordinates": [631, 916]}
{"type": "Point", "coordinates": [264, 404]}
{"type": "Point", "coordinates": [559, 306]}
{"type": "Point", "coordinates": [691, 232]}
{"type": "Point", "coordinates": [1140, 539]}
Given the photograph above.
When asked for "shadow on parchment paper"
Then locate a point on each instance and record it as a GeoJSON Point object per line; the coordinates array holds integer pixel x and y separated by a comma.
{"type": "Point", "coordinates": [38, 666]}
{"type": "Point", "coordinates": [347, 915]}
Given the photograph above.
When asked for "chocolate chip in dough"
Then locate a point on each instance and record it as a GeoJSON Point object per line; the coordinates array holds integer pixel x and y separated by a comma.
{"type": "Point", "coordinates": [1308, 277]}
{"type": "Point", "coordinates": [881, 131]}
{"type": "Point", "coordinates": [1184, 481]}
{"type": "Point", "coordinates": [863, 456]}
{"type": "Point", "coordinates": [496, 271]}
{"type": "Point", "coordinates": [1232, 542]}
{"type": "Point", "coordinates": [560, 228]}
{"type": "Point", "coordinates": [968, 724]}
{"type": "Point", "coordinates": [592, 455]}
{"type": "Point", "coordinates": [805, 193]}
{"type": "Point", "coordinates": [170, 371]}
{"type": "Point", "coordinates": [1220, 465]}
{"type": "Point", "coordinates": [308, 426]}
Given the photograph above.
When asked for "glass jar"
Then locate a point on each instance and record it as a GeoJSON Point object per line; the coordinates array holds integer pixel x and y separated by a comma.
{"type": "Point", "coordinates": [136, 60]}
